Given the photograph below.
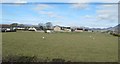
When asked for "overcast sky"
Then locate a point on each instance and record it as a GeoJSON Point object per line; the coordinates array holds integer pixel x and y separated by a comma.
{"type": "Point", "coordinates": [81, 14]}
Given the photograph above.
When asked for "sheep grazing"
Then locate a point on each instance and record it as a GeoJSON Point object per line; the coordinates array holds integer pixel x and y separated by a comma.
{"type": "Point", "coordinates": [90, 36]}
{"type": "Point", "coordinates": [43, 37]}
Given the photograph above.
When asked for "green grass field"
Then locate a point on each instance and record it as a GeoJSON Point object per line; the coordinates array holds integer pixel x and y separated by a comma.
{"type": "Point", "coordinates": [76, 47]}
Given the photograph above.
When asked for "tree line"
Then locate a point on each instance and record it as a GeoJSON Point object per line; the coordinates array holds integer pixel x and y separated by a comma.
{"type": "Point", "coordinates": [41, 26]}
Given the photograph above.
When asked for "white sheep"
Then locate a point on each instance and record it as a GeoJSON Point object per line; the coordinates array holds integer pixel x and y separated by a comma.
{"type": "Point", "coordinates": [43, 37]}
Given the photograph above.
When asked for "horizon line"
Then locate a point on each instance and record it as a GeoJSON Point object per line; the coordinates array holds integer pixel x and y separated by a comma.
{"type": "Point", "coordinates": [62, 25]}
{"type": "Point", "coordinates": [95, 3]}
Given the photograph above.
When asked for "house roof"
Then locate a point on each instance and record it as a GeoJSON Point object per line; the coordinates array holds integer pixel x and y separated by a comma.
{"type": "Point", "coordinates": [79, 28]}
{"type": "Point", "coordinates": [56, 26]}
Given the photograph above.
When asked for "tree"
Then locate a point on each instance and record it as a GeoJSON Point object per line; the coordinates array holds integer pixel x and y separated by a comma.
{"type": "Point", "coordinates": [14, 25]}
{"type": "Point", "coordinates": [74, 27]}
{"type": "Point", "coordinates": [41, 26]}
{"type": "Point", "coordinates": [21, 25]}
{"type": "Point", "coordinates": [48, 25]}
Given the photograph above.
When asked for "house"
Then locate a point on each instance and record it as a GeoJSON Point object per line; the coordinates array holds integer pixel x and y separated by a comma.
{"type": "Point", "coordinates": [6, 28]}
{"type": "Point", "coordinates": [62, 29]}
{"type": "Point", "coordinates": [66, 29]}
{"type": "Point", "coordinates": [49, 31]}
{"type": "Point", "coordinates": [79, 30]}
{"type": "Point", "coordinates": [57, 28]}
{"type": "Point", "coordinates": [20, 27]}
{"type": "Point", "coordinates": [32, 29]}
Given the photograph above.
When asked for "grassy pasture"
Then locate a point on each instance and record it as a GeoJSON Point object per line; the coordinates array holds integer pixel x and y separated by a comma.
{"type": "Point", "coordinates": [86, 47]}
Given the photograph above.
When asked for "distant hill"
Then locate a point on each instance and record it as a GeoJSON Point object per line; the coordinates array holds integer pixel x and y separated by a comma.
{"type": "Point", "coordinates": [115, 29]}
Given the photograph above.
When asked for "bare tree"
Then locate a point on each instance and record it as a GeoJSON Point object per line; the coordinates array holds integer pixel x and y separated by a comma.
{"type": "Point", "coordinates": [41, 26]}
{"type": "Point", "coordinates": [48, 25]}
{"type": "Point", "coordinates": [14, 25]}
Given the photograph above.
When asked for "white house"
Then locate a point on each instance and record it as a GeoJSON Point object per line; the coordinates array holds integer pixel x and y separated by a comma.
{"type": "Point", "coordinates": [66, 29]}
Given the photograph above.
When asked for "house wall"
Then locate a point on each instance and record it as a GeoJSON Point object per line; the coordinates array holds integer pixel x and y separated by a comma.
{"type": "Point", "coordinates": [78, 30]}
{"type": "Point", "coordinates": [57, 28]}
{"type": "Point", "coordinates": [32, 29]}
{"type": "Point", "coordinates": [67, 30]}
